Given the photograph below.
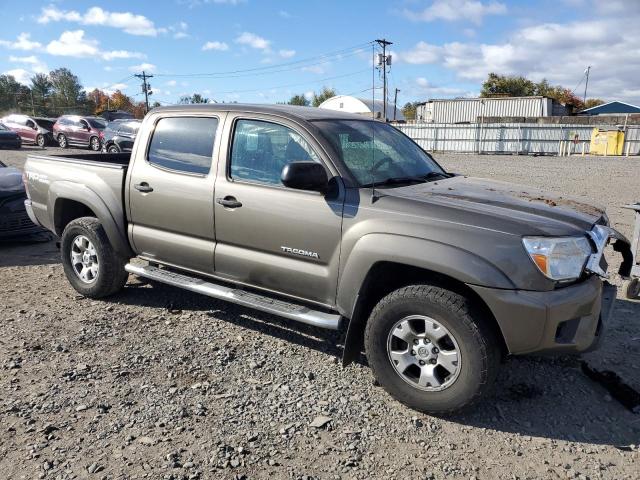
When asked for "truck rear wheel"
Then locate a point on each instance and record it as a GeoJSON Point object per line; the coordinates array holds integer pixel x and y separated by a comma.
{"type": "Point", "coordinates": [91, 265]}
{"type": "Point", "coordinates": [431, 349]}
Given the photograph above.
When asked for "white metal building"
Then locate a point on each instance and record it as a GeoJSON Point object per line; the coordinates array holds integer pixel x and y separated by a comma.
{"type": "Point", "coordinates": [362, 106]}
{"type": "Point", "coordinates": [471, 110]}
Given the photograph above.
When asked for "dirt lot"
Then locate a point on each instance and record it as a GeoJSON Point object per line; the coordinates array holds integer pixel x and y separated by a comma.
{"type": "Point", "coordinates": [160, 383]}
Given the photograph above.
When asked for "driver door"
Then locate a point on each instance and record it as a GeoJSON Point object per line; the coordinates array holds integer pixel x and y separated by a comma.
{"type": "Point", "coordinates": [267, 235]}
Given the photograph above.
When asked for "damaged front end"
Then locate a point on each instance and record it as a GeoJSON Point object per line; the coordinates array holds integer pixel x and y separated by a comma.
{"type": "Point", "coordinates": [600, 236]}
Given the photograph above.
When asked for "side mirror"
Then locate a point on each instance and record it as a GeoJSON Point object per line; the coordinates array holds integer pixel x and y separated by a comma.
{"type": "Point", "coordinates": [305, 176]}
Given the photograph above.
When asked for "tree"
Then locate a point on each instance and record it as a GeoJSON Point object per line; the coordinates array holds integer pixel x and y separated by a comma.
{"type": "Point", "coordinates": [409, 110]}
{"type": "Point", "coordinates": [325, 94]}
{"type": "Point", "coordinates": [299, 100]}
{"type": "Point", "coordinates": [195, 98]}
{"type": "Point", "coordinates": [41, 90]}
{"type": "Point", "coordinates": [509, 86]}
{"type": "Point", "coordinates": [593, 102]}
{"type": "Point", "coordinates": [101, 100]}
{"type": "Point", "coordinates": [68, 93]}
{"type": "Point", "coordinates": [12, 93]}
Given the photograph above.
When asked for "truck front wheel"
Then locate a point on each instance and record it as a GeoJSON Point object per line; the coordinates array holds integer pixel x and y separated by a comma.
{"type": "Point", "coordinates": [91, 265]}
{"type": "Point", "coordinates": [431, 349]}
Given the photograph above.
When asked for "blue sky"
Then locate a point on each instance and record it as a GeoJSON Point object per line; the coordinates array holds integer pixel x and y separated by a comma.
{"type": "Point", "coordinates": [441, 48]}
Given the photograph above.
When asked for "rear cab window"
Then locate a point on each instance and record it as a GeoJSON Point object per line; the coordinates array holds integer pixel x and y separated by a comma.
{"type": "Point", "coordinates": [183, 144]}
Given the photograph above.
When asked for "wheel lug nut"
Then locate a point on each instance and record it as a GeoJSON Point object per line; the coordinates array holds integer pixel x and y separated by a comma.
{"type": "Point", "coordinates": [413, 352]}
{"type": "Point", "coordinates": [415, 341]}
{"type": "Point", "coordinates": [421, 362]}
{"type": "Point", "coordinates": [426, 340]}
{"type": "Point", "coordinates": [435, 350]}
{"type": "Point", "coordinates": [432, 361]}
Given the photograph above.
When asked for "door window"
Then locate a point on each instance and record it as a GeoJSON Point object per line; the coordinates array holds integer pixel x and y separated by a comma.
{"type": "Point", "coordinates": [184, 144]}
{"type": "Point", "coordinates": [260, 150]}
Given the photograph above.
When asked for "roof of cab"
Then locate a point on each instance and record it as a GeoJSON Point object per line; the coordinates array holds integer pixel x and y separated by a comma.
{"type": "Point", "coordinates": [291, 111]}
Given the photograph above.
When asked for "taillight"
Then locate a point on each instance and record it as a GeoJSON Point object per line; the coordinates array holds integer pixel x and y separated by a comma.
{"type": "Point", "coordinates": [101, 135]}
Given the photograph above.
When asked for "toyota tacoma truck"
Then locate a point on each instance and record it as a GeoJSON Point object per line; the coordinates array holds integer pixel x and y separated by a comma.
{"type": "Point", "coordinates": [337, 221]}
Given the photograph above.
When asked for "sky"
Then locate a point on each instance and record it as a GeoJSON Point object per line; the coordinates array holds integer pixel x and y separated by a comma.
{"type": "Point", "coordinates": [265, 51]}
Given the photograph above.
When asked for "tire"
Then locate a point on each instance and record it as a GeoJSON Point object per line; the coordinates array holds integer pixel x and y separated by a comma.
{"type": "Point", "coordinates": [94, 144]}
{"type": "Point", "coordinates": [62, 141]}
{"type": "Point", "coordinates": [110, 275]}
{"type": "Point", "coordinates": [476, 345]}
{"type": "Point", "coordinates": [632, 290]}
{"type": "Point", "coordinates": [41, 141]}
{"type": "Point", "coordinates": [113, 149]}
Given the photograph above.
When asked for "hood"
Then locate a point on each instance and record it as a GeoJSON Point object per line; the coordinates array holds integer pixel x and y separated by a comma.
{"type": "Point", "coordinates": [10, 181]}
{"type": "Point", "coordinates": [512, 208]}
{"type": "Point", "coordinates": [8, 134]}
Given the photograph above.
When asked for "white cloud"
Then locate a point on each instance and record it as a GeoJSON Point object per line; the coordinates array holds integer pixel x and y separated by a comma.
{"type": "Point", "coordinates": [23, 42]}
{"type": "Point", "coordinates": [254, 41]}
{"type": "Point", "coordinates": [426, 89]}
{"type": "Point", "coordinates": [220, 46]}
{"type": "Point", "coordinates": [180, 35]}
{"type": "Point", "coordinates": [171, 83]}
{"type": "Point", "coordinates": [454, 10]}
{"type": "Point", "coordinates": [125, 21]}
{"type": "Point", "coordinates": [284, 14]}
{"type": "Point", "coordinates": [37, 66]}
{"type": "Point", "coordinates": [73, 43]}
{"type": "Point", "coordinates": [21, 75]}
{"type": "Point", "coordinates": [559, 52]}
{"type": "Point", "coordinates": [179, 30]}
{"type": "Point", "coordinates": [147, 67]}
{"type": "Point", "coordinates": [287, 53]}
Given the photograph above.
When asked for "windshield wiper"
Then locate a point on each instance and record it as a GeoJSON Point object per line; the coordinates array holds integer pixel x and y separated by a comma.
{"type": "Point", "coordinates": [434, 175]}
{"type": "Point", "coordinates": [395, 181]}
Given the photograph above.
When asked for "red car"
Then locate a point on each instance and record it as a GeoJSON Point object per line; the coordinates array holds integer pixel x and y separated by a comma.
{"type": "Point", "coordinates": [34, 130]}
{"type": "Point", "coordinates": [75, 130]}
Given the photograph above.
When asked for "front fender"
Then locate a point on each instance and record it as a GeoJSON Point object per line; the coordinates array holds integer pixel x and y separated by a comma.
{"type": "Point", "coordinates": [445, 259]}
{"type": "Point", "coordinates": [109, 217]}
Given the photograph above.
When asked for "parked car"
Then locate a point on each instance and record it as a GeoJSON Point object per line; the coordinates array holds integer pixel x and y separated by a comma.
{"type": "Point", "coordinates": [14, 220]}
{"type": "Point", "coordinates": [34, 130]}
{"type": "Point", "coordinates": [119, 135]}
{"type": "Point", "coordinates": [111, 115]}
{"type": "Point", "coordinates": [9, 138]}
{"type": "Point", "coordinates": [298, 212]}
{"type": "Point", "coordinates": [74, 130]}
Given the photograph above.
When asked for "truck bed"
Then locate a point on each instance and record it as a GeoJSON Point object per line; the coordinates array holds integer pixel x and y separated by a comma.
{"type": "Point", "coordinates": [121, 159]}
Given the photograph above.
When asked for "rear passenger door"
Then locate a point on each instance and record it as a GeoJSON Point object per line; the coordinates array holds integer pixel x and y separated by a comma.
{"type": "Point", "coordinates": [171, 191]}
{"type": "Point", "coordinates": [267, 235]}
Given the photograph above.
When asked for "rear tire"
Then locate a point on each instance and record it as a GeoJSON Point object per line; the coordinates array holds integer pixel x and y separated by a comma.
{"type": "Point", "coordinates": [40, 140]}
{"type": "Point", "coordinates": [94, 144]}
{"type": "Point", "coordinates": [436, 380]}
{"type": "Point", "coordinates": [91, 265]}
{"type": "Point", "coordinates": [113, 149]}
{"type": "Point", "coordinates": [62, 141]}
{"type": "Point", "coordinates": [632, 290]}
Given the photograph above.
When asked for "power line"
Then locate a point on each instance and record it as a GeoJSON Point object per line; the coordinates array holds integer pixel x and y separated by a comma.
{"type": "Point", "coordinates": [146, 87]}
{"type": "Point", "coordinates": [384, 61]}
{"type": "Point", "coordinates": [354, 50]}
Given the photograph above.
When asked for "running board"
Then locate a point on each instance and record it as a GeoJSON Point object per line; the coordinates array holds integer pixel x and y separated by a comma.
{"type": "Point", "coordinates": [281, 308]}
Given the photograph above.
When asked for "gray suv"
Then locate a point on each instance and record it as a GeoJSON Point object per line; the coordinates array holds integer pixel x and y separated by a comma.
{"type": "Point", "coordinates": [337, 221]}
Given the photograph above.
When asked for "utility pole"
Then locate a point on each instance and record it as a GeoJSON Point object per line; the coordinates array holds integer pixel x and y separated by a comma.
{"type": "Point", "coordinates": [146, 87]}
{"type": "Point", "coordinates": [586, 84]}
{"type": "Point", "coordinates": [384, 61]}
{"type": "Point", "coordinates": [395, 104]}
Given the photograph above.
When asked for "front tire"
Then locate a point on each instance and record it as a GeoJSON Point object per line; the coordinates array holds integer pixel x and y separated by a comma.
{"type": "Point", "coordinates": [91, 265]}
{"type": "Point", "coordinates": [431, 349]}
{"type": "Point", "coordinates": [40, 140]}
{"type": "Point", "coordinates": [113, 149]}
{"type": "Point", "coordinates": [62, 141]}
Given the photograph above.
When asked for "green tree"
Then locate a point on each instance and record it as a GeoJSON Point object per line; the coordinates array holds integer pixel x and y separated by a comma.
{"type": "Point", "coordinates": [195, 98]}
{"type": "Point", "coordinates": [324, 94]}
{"type": "Point", "coordinates": [11, 93]}
{"type": "Point", "coordinates": [409, 110]}
{"type": "Point", "coordinates": [593, 102]}
{"type": "Point", "coordinates": [300, 100]}
{"type": "Point", "coordinates": [67, 92]}
{"type": "Point", "coordinates": [509, 86]}
{"type": "Point", "coordinates": [41, 90]}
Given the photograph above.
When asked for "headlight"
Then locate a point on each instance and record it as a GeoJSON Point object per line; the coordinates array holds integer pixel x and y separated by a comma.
{"type": "Point", "coordinates": [558, 258]}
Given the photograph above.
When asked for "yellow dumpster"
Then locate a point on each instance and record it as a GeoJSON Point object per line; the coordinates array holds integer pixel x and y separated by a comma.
{"type": "Point", "coordinates": [606, 142]}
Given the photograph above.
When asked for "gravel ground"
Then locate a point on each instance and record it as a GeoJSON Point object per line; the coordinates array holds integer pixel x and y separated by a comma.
{"type": "Point", "coordinates": [160, 383]}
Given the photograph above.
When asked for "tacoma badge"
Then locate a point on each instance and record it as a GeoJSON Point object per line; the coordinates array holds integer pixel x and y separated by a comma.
{"type": "Point", "coordinates": [297, 251]}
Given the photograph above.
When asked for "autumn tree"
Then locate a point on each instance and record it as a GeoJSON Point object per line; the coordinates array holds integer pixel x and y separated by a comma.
{"type": "Point", "coordinates": [593, 102]}
{"type": "Point", "coordinates": [409, 110]}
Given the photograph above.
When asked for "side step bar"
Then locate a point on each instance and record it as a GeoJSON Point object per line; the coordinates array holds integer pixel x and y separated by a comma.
{"type": "Point", "coordinates": [263, 303]}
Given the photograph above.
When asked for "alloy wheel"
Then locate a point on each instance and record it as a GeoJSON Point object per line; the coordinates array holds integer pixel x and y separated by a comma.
{"type": "Point", "coordinates": [84, 259]}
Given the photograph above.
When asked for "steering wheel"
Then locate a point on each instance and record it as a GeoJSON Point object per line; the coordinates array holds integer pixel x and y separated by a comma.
{"type": "Point", "coordinates": [379, 163]}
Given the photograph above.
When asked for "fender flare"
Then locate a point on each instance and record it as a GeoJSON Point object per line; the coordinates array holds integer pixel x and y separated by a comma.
{"type": "Point", "coordinates": [64, 190]}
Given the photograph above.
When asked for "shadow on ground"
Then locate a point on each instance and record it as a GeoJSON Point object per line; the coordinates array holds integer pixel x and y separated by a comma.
{"type": "Point", "coordinates": [36, 249]}
{"type": "Point", "coordinates": [534, 395]}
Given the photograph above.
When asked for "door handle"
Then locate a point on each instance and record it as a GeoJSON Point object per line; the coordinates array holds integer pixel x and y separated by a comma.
{"type": "Point", "coordinates": [229, 202]}
{"type": "Point", "coordinates": [143, 187]}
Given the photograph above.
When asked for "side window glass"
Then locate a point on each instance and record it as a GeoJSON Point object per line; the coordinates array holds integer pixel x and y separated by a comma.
{"type": "Point", "coordinates": [184, 144]}
{"type": "Point", "coordinates": [260, 150]}
{"type": "Point", "coordinates": [83, 124]}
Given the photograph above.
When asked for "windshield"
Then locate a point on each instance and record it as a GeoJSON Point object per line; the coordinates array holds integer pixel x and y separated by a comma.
{"type": "Point", "coordinates": [46, 124]}
{"type": "Point", "coordinates": [377, 152]}
{"type": "Point", "coordinates": [95, 123]}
